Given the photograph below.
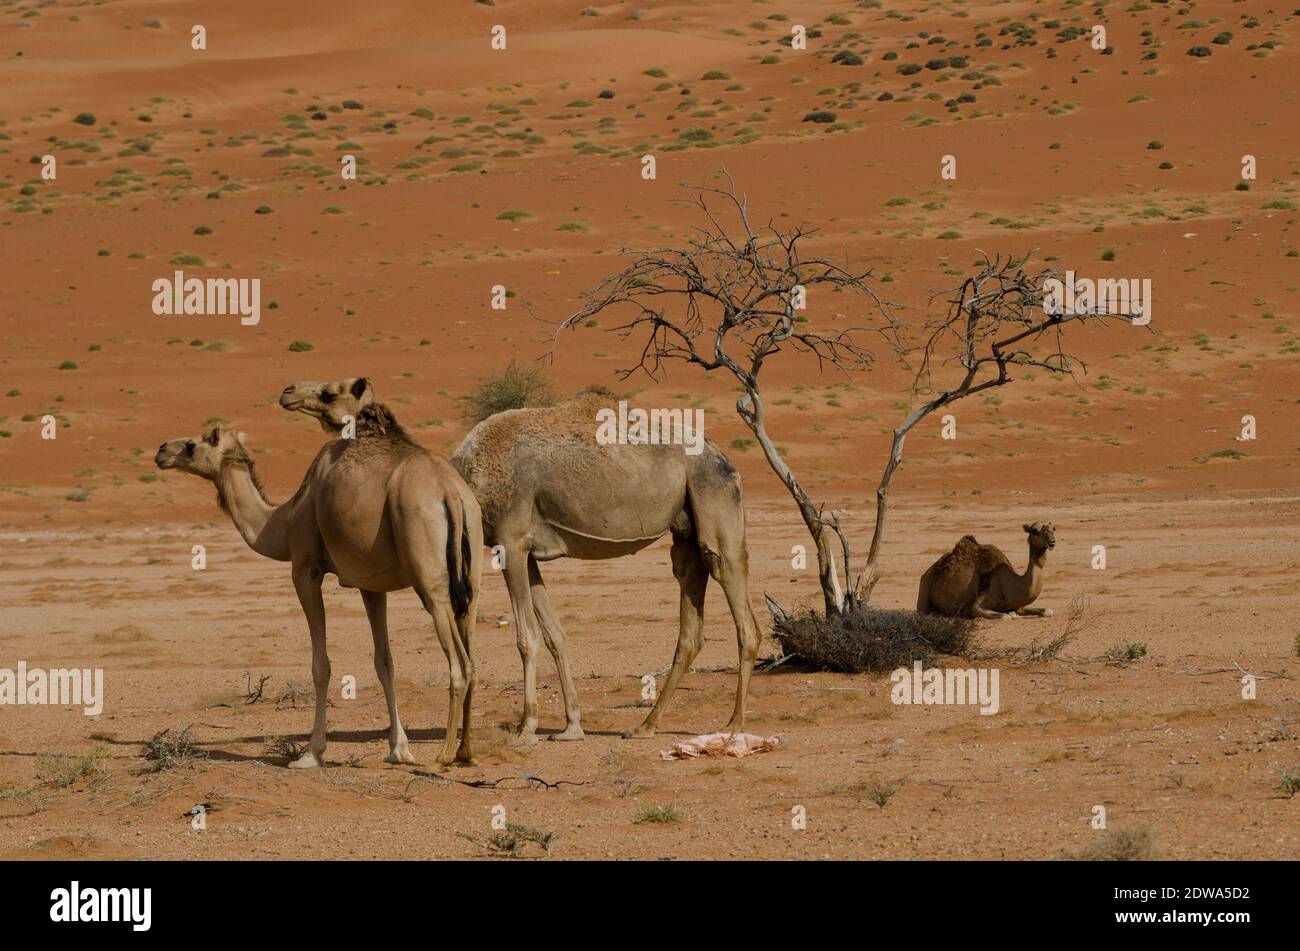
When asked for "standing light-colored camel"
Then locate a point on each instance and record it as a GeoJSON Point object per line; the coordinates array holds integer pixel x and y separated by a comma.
{"type": "Point", "coordinates": [549, 490]}
{"type": "Point", "coordinates": [975, 580]}
{"type": "Point", "coordinates": [418, 526]}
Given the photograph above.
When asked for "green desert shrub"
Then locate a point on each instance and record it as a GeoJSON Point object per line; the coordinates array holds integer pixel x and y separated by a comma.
{"type": "Point", "coordinates": [514, 388]}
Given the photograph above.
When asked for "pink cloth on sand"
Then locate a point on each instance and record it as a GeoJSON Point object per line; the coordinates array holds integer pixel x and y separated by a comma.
{"type": "Point", "coordinates": [721, 744]}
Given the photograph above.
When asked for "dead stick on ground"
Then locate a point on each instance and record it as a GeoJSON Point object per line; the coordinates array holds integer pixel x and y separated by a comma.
{"type": "Point", "coordinates": [493, 783]}
{"type": "Point", "coordinates": [1237, 668]}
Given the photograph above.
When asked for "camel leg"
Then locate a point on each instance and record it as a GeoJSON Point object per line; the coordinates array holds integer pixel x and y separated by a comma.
{"type": "Point", "coordinates": [978, 610]}
{"type": "Point", "coordinates": [422, 553]}
{"type": "Point", "coordinates": [693, 578]}
{"type": "Point", "coordinates": [521, 603]}
{"type": "Point", "coordinates": [732, 572]}
{"type": "Point", "coordinates": [313, 606]}
{"type": "Point", "coordinates": [1035, 612]}
{"type": "Point", "coordinates": [720, 535]}
{"type": "Point", "coordinates": [553, 634]}
{"type": "Point", "coordinates": [458, 691]}
{"type": "Point", "coordinates": [444, 622]}
{"type": "Point", "coordinates": [465, 628]}
{"type": "Point", "coordinates": [376, 603]}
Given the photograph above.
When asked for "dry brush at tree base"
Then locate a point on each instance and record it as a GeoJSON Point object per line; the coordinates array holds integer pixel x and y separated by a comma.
{"type": "Point", "coordinates": [864, 639]}
{"type": "Point", "coordinates": [874, 640]}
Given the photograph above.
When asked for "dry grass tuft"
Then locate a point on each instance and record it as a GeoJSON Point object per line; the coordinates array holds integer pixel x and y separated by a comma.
{"type": "Point", "coordinates": [1078, 619]}
{"type": "Point", "coordinates": [656, 815]}
{"type": "Point", "coordinates": [63, 769]}
{"type": "Point", "coordinates": [514, 841]}
{"type": "Point", "coordinates": [170, 749]}
{"type": "Point", "coordinates": [283, 746]}
{"type": "Point", "coordinates": [1137, 844]}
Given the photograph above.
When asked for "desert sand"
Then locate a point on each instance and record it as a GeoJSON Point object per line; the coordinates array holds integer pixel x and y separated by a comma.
{"type": "Point", "coordinates": [521, 167]}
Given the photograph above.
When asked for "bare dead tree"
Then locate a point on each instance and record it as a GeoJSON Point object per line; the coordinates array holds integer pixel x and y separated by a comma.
{"type": "Point", "coordinates": [735, 298]}
{"type": "Point", "coordinates": [738, 297]}
{"type": "Point", "coordinates": [1000, 318]}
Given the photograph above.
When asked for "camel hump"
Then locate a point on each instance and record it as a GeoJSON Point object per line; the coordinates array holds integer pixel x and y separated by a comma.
{"type": "Point", "coordinates": [983, 558]}
{"type": "Point", "coordinates": [966, 550]}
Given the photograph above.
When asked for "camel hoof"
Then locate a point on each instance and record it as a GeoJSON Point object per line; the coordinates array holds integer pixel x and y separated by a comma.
{"type": "Point", "coordinates": [570, 733]}
{"type": "Point", "coordinates": [640, 733]}
{"type": "Point", "coordinates": [307, 760]}
{"type": "Point", "coordinates": [522, 739]}
{"type": "Point", "coordinates": [1010, 616]}
{"type": "Point", "coordinates": [1048, 612]}
{"type": "Point", "coordinates": [400, 754]}
{"type": "Point", "coordinates": [466, 759]}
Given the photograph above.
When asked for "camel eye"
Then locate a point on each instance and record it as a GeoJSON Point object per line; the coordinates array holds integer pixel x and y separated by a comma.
{"type": "Point", "coordinates": [326, 397]}
{"type": "Point", "coordinates": [189, 447]}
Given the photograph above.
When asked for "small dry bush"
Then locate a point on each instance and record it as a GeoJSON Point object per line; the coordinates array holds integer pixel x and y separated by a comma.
{"type": "Point", "coordinates": [873, 640]}
{"type": "Point", "coordinates": [283, 746]}
{"type": "Point", "coordinates": [1291, 782]}
{"type": "Point", "coordinates": [1137, 844]}
{"type": "Point", "coordinates": [62, 770]}
{"type": "Point", "coordinates": [515, 841]}
{"type": "Point", "coordinates": [1079, 618]}
{"type": "Point", "coordinates": [169, 749]}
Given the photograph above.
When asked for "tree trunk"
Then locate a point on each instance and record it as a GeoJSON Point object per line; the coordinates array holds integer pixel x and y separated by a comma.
{"type": "Point", "coordinates": [752, 415]}
{"type": "Point", "coordinates": [887, 477]}
{"type": "Point", "coordinates": [882, 510]}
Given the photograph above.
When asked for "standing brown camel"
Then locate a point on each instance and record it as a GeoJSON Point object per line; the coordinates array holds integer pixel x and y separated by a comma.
{"type": "Point", "coordinates": [381, 514]}
{"type": "Point", "coordinates": [549, 490]}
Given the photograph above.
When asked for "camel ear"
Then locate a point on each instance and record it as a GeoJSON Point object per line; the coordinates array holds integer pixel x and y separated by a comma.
{"type": "Point", "coordinates": [359, 386]}
{"type": "Point", "coordinates": [1028, 528]}
{"type": "Point", "coordinates": [239, 437]}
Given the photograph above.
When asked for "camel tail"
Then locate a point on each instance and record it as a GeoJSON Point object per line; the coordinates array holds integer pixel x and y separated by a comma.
{"type": "Point", "coordinates": [458, 560]}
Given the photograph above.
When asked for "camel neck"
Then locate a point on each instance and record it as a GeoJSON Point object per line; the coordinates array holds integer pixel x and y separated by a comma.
{"type": "Point", "coordinates": [1033, 576]}
{"type": "Point", "coordinates": [260, 523]}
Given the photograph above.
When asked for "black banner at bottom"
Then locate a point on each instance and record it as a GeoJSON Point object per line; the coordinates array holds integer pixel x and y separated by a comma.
{"type": "Point", "coordinates": [233, 900]}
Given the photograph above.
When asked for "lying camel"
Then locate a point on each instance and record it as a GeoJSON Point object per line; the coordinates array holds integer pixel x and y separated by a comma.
{"type": "Point", "coordinates": [549, 490]}
{"type": "Point", "coordinates": [975, 580]}
{"type": "Point", "coordinates": [418, 526]}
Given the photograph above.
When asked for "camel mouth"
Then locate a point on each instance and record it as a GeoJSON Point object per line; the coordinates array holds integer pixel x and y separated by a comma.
{"type": "Point", "coordinates": [290, 403]}
{"type": "Point", "coordinates": [163, 462]}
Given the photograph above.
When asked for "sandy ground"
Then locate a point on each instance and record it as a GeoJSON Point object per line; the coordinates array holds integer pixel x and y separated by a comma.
{"type": "Point", "coordinates": [224, 162]}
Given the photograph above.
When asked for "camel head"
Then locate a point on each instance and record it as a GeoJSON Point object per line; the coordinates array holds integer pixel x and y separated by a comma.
{"type": "Point", "coordinates": [1042, 535]}
{"type": "Point", "coordinates": [329, 402]}
{"type": "Point", "coordinates": [202, 455]}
